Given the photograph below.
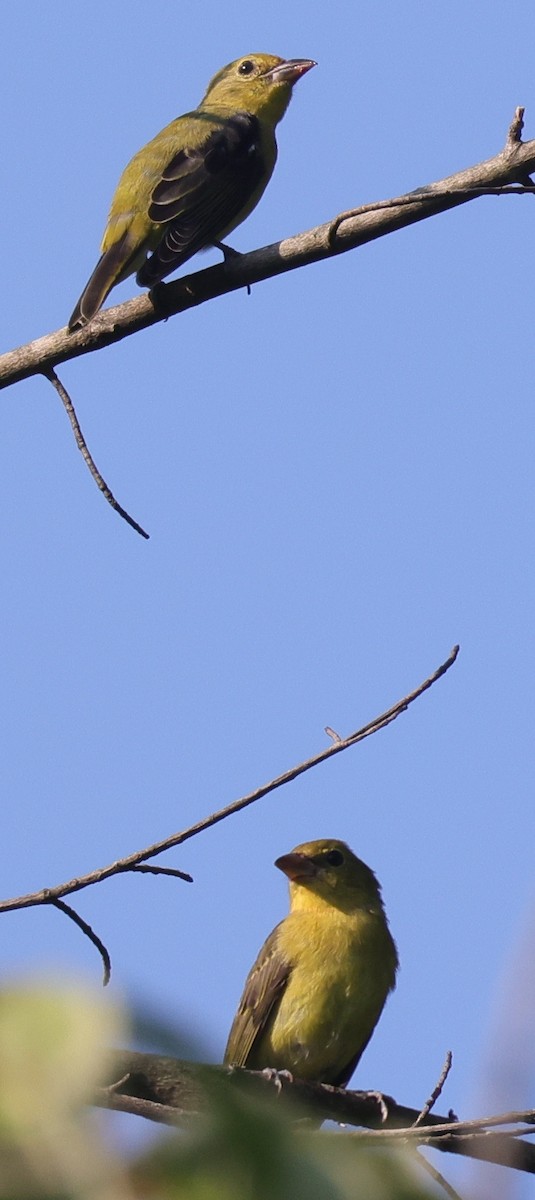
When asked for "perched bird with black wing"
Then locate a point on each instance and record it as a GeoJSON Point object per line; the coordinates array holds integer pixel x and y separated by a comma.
{"type": "Point", "coordinates": [196, 180]}
{"type": "Point", "coordinates": [318, 987]}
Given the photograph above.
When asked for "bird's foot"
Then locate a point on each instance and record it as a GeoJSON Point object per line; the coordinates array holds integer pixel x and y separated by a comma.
{"type": "Point", "coordinates": [383, 1106]}
{"type": "Point", "coordinates": [229, 253]}
{"type": "Point", "coordinates": [157, 296]}
{"type": "Point", "coordinates": [277, 1077]}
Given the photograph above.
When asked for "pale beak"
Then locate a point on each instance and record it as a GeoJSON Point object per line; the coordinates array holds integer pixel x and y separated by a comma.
{"type": "Point", "coordinates": [290, 70]}
{"type": "Point", "coordinates": [296, 866]}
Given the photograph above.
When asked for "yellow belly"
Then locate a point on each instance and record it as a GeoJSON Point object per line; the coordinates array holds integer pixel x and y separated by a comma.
{"type": "Point", "coordinates": [334, 996]}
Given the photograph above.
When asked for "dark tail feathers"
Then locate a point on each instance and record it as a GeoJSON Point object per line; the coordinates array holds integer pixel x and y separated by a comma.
{"type": "Point", "coordinates": [107, 272]}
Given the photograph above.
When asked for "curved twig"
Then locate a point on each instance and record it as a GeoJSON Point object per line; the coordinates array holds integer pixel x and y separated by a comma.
{"type": "Point", "coordinates": [68, 405]}
{"type": "Point", "coordinates": [89, 933]}
{"type": "Point", "coordinates": [149, 870]}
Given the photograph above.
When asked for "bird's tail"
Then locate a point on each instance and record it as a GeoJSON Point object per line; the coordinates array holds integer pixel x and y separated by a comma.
{"type": "Point", "coordinates": [111, 267]}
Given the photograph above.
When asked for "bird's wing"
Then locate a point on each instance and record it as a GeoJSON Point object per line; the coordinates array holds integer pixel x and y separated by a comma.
{"type": "Point", "coordinates": [203, 190]}
{"type": "Point", "coordinates": [263, 988]}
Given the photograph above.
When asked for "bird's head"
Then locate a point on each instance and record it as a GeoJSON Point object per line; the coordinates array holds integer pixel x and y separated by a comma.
{"type": "Point", "coordinates": [328, 870]}
{"type": "Point", "coordinates": [260, 84]}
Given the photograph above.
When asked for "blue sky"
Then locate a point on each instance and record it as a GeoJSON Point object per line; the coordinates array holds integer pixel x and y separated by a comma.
{"type": "Point", "coordinates": [337, 475]}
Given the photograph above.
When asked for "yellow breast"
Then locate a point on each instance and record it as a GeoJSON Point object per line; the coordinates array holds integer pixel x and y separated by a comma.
{"type": "Point", "coordinates": [343, 967]}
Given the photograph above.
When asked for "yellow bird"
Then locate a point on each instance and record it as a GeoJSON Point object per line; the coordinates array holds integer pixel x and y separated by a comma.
{"type": "Point", "coordinates": [318, 987]}
{"type": "Point", "coordinates": [196, 180]}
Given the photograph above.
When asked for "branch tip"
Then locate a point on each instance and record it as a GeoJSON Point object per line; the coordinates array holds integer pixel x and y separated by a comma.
{"type": "Point", "coordinates": [437, 1090]}
{"type": "Point", "coordinates": [145, 868]}
{"type": "Point", "coordinates": [514, 133]}
{"type": "Point", "coordinates": [334, 736]}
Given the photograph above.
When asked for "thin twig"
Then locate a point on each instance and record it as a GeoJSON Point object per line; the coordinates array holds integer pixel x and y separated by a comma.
{"type": "Point", "coordinates": [420, 197]}
{"type": "Point", "coordinates": [162, 871]}
{"type": "Point", "coordinates": [117, 1083]}
{"type": "Point", "coordinates": [137, 1106]}
{"type": "Point", "coordinates": [493, 177]}
{"type": "Point", "coordinates": [133, 860]}
{"type": "Point", "coordinates": [438, 1178]}
{"type": "Point", "coordinates": [437, 1090]}
{"type": "Point", "coordinates": [89, 932]}
{"type": "Point", "coordinates": [68, 405]}
{"type": "Point", "coordinates": [466, 1128]}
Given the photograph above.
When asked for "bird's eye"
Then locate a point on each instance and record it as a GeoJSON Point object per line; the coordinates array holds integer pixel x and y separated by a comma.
{"type": "Point", "coordinates": [334, 858]}
{"type": "Point", "coordinates": [246, 67]}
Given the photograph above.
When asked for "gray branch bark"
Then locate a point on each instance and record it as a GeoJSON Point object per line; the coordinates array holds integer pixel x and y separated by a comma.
{"type": "Point", "coordinates": [347, 231]}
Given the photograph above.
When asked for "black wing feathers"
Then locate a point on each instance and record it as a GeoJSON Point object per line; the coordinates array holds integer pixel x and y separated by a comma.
{"type": "Point", "coordinates": [202, 192]}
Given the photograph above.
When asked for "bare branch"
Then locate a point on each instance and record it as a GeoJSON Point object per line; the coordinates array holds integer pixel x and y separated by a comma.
{"type": "Point", "coordinates": [422, 195]}
{"type": "Point", "coordinates": [438, 1178]}
{"type": "Point", "coordinates": [89, 933]}
{"type": "Point", "coordinates": [437, 1090]}
{"type": "Point", "coordinates": [171, 1089]}
{"type": "Point", "coordinates": [132, 861]}
{"type": "Point", "coordinates": [148, 870]}
{"type": "Point", "coordinates": [136, 1106]}
{"type": "Point", "coordinates": [348, 231]}
{"type": "Point", "coordinates": [68, 405]}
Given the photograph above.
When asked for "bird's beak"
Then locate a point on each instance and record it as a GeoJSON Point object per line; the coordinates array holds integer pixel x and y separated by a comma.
{"type": "Point", "coordinates": [290, 70]}
{"type": "Point", "coordinates": [296, 866]}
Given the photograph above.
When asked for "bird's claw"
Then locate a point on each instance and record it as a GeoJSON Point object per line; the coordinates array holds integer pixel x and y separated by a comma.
{"type": "Point", "coordinates": [277, 1077]}
{"type": "Point", "coordinates": [383, 1106]}
{"type": "Point", "coordinates": [229, 253]}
